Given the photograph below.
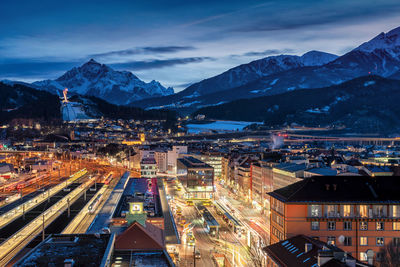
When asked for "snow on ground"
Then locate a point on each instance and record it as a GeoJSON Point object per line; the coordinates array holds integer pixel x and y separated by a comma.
{"type": "Point", "coordinates": [369, 83]}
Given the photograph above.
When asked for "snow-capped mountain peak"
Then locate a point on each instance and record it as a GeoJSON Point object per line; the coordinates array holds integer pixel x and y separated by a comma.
{"type": "Point", "coordinates": [317, 58]}
{"type": "Point", "coordinates": [94, 78]}
{"type": "Point", "coordinates": [390, 42]}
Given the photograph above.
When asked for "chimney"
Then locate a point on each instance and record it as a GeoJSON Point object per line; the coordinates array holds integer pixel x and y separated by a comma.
{"type": "Point", "coordinates": [307, 247]}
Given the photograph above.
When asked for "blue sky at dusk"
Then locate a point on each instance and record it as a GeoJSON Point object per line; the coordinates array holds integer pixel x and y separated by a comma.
{"type": "Point", "coordinates": [178, 42]}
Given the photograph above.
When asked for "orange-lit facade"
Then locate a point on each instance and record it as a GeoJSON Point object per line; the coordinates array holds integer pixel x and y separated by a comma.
{"type": "Point", "coordinates": [353, 227]}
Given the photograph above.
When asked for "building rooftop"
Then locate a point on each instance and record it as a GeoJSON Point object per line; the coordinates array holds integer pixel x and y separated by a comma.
{"type": "Point", "coordinates": [323, 171]}
{"type": "Point", "coordinates": [301, 250]}
{"type": "Point", "coordinates": [191, 162]}
{"type": "Point", "coordinates": [84, 249]}
{"type": "Point", "coordinates": [139, 190]}
{"type": "Point", "coordinates": [341, 189]}
{"type": "Point", "coordinates": [291, 167]}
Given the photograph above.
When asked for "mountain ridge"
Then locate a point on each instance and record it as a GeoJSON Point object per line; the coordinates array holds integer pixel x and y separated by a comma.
{"type": "Point", "coordinates": [93, 78]}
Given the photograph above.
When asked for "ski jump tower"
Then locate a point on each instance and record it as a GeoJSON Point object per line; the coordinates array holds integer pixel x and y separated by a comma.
{"type": "Point", "coordinates": [67, 110]}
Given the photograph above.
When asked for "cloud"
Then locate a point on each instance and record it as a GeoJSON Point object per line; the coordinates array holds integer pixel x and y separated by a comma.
{"type": "Point", "coordinates": [144, 50]}
{"type": "Point", "coordinates": [268, 52]}
{"type": "Point", "coordinates": [158, 63]}
{"type": "Point", "coordinates": [32, 68]}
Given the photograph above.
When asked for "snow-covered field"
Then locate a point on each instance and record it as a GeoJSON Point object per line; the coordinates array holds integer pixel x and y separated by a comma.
{"type": "Point", "coordinates": [219, 126]}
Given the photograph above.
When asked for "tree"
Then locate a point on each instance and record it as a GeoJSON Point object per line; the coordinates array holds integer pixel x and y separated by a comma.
{"type": "Point", "coordinates": [389, 255]}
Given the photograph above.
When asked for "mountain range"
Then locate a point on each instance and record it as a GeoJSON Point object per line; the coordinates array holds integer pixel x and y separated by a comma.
{"type": "Point", "coordinates": [364, 104]}
{"type": "Point", "coordinates": [254, 87]}
{"type": "Point", "coordinates": [95, 79]}
{"type": "Point", "coordinates": [21, 101]}
{"type": "Point", "coordinates": [280, 74]}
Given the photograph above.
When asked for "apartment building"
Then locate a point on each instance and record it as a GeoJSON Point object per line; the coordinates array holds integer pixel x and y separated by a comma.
{"type": "Point", "coordinates": [358, 214]}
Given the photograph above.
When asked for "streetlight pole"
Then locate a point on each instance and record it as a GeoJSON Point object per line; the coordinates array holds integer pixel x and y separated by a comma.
{"type": "Point", "coordinates": [194, 256]}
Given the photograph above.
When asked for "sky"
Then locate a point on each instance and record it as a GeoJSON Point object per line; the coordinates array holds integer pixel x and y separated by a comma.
{"type": "Point", "coordinates": [178, 42]}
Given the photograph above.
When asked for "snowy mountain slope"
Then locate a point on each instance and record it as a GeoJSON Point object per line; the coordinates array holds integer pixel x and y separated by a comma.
{"type": "Point", "coordinates": [368, 104]}
{"type": "Point", "coordinates": [379, 56]}
{"type": "Point", "coordinates": [242, 75]}
{"type": "Point", "coordinates": [93, 78]}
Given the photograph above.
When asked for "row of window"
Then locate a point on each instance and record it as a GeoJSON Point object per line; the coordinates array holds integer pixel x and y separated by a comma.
{"type": "Point", "coordinates": [347, 241]}
{"type": "Point", "coordinates": [347, 226]}
{"type": "Point", "coordinates": [277, 233]}
{"type": "Point", "coordinates": [350, 210]}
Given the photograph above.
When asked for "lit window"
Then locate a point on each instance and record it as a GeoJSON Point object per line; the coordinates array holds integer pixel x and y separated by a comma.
{"type": "Point", "coordinates": [331, 240]}
{"type": "Point", "coordinates": [363, 211]}
{"type": "Point", "coordinates": [363, 241]}
{"type": "Point", "coordinates": [346, 210]}
{"type": "Point", "coordinates": [396, 211]}
{"type": "Point", "coordinates": [363, 226]}
{"type": "Point", "coordinates": [363, 256]}
{"type": "Point", "coordinates": [396, 226]}
{"type": "Point", "coordinates": [380, 241]}
{"type": "Point", "coordinates": [380, 226]}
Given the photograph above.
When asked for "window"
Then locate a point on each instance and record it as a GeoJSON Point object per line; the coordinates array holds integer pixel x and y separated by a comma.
{"type": "Point", "coordinates": [380, 241]}
{"type": "Point", "coordinates": [363, 241]}
{"type": "Point", "coordinates": [331, 240]}
{"type": "Point", "coordinates": [379, 211]}
{"type": "Point", "coordinates": [363, 256]}
{"type": "Point", "coordinates": [314, 225]}
{"type": "Point", "coordinates": [396, 241]}
{"type": "Point", "coordinates": [395, 211]}
{"type": "Point", "coordinates": [331, 226]}
{"type": "Point", "coordinates": [315, 210]}
{"type": "Point", "coordinates": [331, 211]}
{"type": "Point", "coordinates": [347, 226]}
{"type": "Point", "coordinates": [347, 211]}
{"type": "Point", "coordinates": [363, 226]}
{"type": "Point", "coordinates": [380, 226]}
{"type": "Point", "coordinates": [347, 241]}
{"type": "Point", "coordinates": [396, 226]}
{"type": "Point", "coordinates": [363, 211]}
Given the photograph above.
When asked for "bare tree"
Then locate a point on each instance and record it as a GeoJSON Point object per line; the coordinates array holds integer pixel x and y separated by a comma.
{"type": "Point", "coordinates": [389, 256]}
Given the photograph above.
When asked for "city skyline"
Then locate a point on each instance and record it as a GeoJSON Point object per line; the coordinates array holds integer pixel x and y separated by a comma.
{"type": "Point", "coordinates": [167, 43]}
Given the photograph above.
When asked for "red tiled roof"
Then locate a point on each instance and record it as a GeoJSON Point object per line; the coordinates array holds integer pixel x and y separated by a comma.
{"type": "Point", "coordinates": [137, 237]}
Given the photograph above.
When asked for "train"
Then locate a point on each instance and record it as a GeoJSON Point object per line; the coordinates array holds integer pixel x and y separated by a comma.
{"type": "Point", "coordinates": [18, 185]}
{"type": "Point", "coordinates": [95, 203]}
{"type": "Point", "coordinates": [108, 178]}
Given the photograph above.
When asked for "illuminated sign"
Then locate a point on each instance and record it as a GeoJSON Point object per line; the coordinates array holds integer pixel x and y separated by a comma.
{"type": "Point", "coordinates": [135, 207]}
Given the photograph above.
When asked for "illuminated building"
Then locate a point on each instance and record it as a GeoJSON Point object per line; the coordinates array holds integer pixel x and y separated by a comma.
{"type": "Point", "coordinates": [197, 177]}
{"type": "Point", "coordinates": [358, 214]}
{"type": "Point", "coordinates": [148, 168]}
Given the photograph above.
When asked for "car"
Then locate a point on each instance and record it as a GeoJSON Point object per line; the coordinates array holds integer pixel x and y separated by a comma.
{"type": "Point", "coordinates": [191, 241]}
{"type": "Point", "coordinates": [197, 254]}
